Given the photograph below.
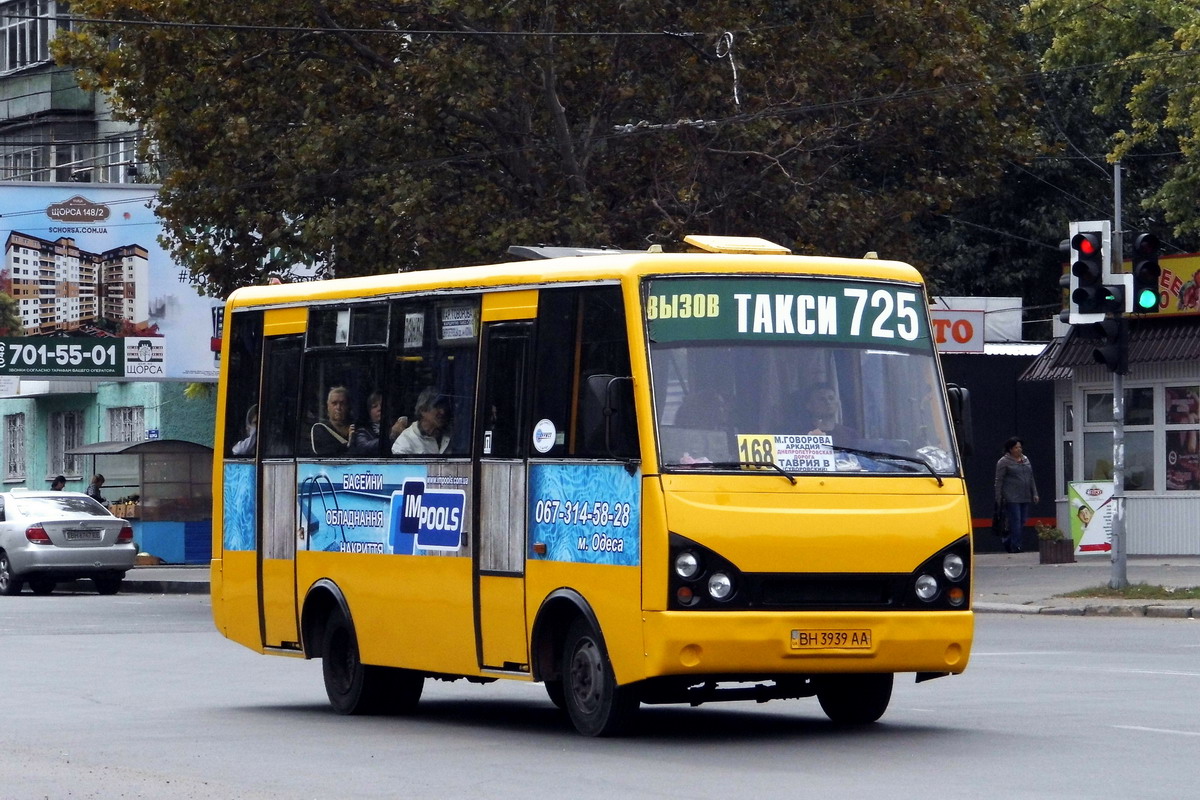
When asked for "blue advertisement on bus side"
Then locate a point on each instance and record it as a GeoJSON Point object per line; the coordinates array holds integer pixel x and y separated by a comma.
{"type": "Point", "coordinates": [585, 513]}
{"type": "Point", "coordinates": [395, 509]}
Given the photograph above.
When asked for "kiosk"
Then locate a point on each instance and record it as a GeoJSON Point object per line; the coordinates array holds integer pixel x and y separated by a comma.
{"type": "Point", "coordinates": [164, 488]}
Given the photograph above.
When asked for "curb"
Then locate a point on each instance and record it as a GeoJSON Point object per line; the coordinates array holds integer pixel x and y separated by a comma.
{"type": "Point", "coordinates": [1140, 610]}
{"type": "Point", "coordinates": [164, 587]}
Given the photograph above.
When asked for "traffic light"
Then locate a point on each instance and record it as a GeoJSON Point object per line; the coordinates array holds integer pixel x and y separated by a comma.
{"type": "Point", "coordinates": [1145, 295]}
{"type": "Point", "coordinates": [1087, 272]}
{"type": "Point", "coordinates": [1112, 342]}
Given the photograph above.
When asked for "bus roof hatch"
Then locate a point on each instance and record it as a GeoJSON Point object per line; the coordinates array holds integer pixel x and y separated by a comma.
{"type": "Point", "coordinates": [744, 245]}
{"type": "Point", "coordinates": [564, 252]}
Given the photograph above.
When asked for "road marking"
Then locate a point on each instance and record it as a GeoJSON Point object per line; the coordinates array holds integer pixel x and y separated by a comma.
{"type": "Point", "coordinates": [1156, 730]}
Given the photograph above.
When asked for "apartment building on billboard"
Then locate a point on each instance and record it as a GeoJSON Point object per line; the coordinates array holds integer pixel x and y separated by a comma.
{"type": "Point", "coordinates": [60, 287]}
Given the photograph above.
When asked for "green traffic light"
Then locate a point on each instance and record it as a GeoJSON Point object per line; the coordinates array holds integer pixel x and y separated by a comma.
{"type": "Point", "coordinates": [1147, 299]}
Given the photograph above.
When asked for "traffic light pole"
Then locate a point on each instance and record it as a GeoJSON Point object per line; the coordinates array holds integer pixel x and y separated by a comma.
{"type": "Point", "coordinates": [1118, 579]}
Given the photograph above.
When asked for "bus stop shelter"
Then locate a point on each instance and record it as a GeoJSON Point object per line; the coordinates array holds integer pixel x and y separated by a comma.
{"type": "Point", "coordinates": [164, 488]}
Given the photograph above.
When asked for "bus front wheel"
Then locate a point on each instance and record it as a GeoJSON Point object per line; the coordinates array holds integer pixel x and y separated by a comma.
{"type": "Point", "coordinates": [856, 699]}
{"type": "Point", "coordinates": [357, 688]}
{"type": "Point", "coordinates": [595, 703]}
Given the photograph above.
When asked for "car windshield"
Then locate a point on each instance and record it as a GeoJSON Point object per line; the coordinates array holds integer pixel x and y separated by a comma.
{"type": "Point", "coordinates": [49, 507]}
{"type": "Point", "coordinates": [799, 375]}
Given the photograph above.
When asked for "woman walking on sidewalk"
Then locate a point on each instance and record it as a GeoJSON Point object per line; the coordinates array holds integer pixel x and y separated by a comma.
{"type": "Point", "coordinates": [1016, 490]}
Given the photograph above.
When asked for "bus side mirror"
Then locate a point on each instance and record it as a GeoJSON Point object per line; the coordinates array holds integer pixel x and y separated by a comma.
{"type": "Point", "coordinates": [609, 423]}
{"type": "Point", "coordinates": [960, 415]}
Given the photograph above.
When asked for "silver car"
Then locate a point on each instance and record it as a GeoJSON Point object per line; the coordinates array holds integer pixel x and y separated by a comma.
{"type": "Point", "coordinates": [47, 537]}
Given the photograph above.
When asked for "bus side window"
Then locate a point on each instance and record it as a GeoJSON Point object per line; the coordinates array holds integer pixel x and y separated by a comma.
{"type": "Point", "coordinates": [277, 411]}
{"type": "Point", "coordinates": [336, 394]}
{"type": "Point", "coordinates": [432, 354]}
{"type": "Point", "coordinates": [245, 332]}
{"type": "Point", "coordinates": [581, 333]}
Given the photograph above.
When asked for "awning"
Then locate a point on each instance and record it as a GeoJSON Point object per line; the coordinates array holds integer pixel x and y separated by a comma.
{"type": "Point", "coordinates": [136, 448]}
{"type": "Point", "coordinates": [1150, 340]}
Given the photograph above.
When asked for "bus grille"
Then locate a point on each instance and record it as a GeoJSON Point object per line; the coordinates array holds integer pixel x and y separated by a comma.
{"type": "Point", "coordinates": [827, 592]}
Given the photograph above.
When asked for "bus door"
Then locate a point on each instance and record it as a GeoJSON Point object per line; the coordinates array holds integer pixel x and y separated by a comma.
{"type": "Point", "coordinates": [500, 501]}
{"type": "Point", "coordinates": [278, 525]}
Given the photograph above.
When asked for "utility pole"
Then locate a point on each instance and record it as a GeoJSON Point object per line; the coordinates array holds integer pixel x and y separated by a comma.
{"type": "Point", "coordinates": [1118, 579]}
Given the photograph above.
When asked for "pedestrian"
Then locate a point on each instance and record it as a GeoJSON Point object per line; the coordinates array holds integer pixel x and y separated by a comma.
{"type": "Point", "coordinates": [1016, 490]}
{"type": "Point", "coordinates": [93, 489]}
{"type": "Point", "coordinates": [58, 484]}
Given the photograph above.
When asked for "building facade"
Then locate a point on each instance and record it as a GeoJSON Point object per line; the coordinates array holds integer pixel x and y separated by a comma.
{"type": "Point", "coordinates": [1161, 427]}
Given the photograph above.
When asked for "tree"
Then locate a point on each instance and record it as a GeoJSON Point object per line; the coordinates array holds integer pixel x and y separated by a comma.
{"type": "Point", "coordinates": [372, 136]}
{"type": "Point", "coordinates": [10, 316]}
{"type": "Point", "coordinates": [1139, 58]}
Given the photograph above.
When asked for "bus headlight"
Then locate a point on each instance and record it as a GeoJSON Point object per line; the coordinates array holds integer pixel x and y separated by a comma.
{"type": "Point", "coordinates": [927, 587]}
{"type": "Point", "coordinates": [687, 565]}
{"type": "Point", "coordinates": [953, 566]}
{"type": "Point", "coordinates": [720, 587]}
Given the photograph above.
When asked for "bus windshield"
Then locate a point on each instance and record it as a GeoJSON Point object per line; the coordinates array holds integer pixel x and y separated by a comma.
{"type": "Point", "coordinates": [804, 374]}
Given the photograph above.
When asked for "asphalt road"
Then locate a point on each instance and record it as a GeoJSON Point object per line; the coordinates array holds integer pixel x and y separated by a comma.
{"type": "Point", "coordinates": [136, 696]}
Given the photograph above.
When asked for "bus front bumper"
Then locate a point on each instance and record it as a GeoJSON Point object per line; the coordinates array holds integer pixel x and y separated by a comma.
{"type": "Point", "coordinates": [758, 643]}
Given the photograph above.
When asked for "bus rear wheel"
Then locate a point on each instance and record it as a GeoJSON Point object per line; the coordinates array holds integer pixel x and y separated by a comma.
{"type": "Point", "coordinates": [357, 688]}
{"type": "Point", "coordinates": [857, 699]}
{"type": "Point", "coordinates": [595, 703]}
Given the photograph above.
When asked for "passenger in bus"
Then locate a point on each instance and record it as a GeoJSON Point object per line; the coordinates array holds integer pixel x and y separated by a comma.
{"type": "Point", "coordinates": [429, 435]}
{"type": "Point", "coordinates": [702, 409]}
{"type": "Point", "coordinates": [365, 441]}
{"type": "Point", "coordinates": [823, 411]}
{"type": "Point", "coordinates": [331, 436]}
{"type": "Point", "coordinates": [246, 446]}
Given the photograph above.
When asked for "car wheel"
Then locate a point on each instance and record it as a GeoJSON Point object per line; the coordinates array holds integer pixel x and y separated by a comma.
{"type": "Point", "coordinates": [107, 585]}
{"type": "Point", "coordinates": [10, 584]}
{"type": "Point", "coordinates": [595, 703]}
{"type": "Point", "coordinates": [357, 688]}
{"type": "Point", "coordinates": [857, 699]}
{"type": "Point", "coordinates": [42, 585]}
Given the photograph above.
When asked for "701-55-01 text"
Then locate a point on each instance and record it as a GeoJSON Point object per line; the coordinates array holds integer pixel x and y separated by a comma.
{"type": "Point", "coordinates": [36, 356]}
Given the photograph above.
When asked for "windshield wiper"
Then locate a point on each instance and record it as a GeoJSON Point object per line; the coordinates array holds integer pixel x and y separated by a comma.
{"type": "Point", "coordinates": [895, 456]}
{"type": "Point", "coordinates": [739, 464]}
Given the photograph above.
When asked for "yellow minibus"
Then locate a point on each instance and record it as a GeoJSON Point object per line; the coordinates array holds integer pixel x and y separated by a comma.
{"type": "Point", "coordinates": [635, 477]}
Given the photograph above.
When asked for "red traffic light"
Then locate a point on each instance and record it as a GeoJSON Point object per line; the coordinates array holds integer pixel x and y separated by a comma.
{"type": "Point", "coordinates": [1087, 244]}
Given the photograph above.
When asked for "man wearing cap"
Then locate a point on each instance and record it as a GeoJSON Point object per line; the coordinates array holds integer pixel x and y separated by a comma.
{"type": "Point", "coordinates": [58, 484]}
{"type": "Point", "coordinates": [428, 435]}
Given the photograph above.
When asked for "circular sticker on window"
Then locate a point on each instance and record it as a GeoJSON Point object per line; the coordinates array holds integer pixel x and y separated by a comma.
{"type": "Point", "coordinates": [543, 436]}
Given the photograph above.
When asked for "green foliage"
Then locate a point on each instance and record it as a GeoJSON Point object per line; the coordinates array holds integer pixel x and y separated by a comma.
{"type": "Point", "coordinates": [1140, 59]}
{"type": "Point", "coordinates": [361, 150]}
{"type": "Point", "coordinates": [10, 316]}
{"type": "Point", "coordinates": [1140, 591]}
{"type": "Point", "coordinates": [1047, 533]}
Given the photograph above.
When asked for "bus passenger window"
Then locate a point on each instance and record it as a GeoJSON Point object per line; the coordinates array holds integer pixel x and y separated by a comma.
{"type": "Point", "coordinates": [581, 333]}
{"type": "Point", "coordinates": [244, 330]}
{"type": "Point", "coordinates": [429, 391]}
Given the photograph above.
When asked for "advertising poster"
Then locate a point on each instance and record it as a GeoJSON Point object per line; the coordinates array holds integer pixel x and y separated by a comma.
{"type": "Point", "coordinates": [390, 509]}
{"type": "Point", "coordinates": [1183, 444]}
{"type": "Point", "coordinates": [585, 513]}
{"type": "Point", "coordinates": [1091, 513]}
{"type": "Point", "coordinates": [396, 509]}
{"type": "Point", "coordinates": [94, 296]}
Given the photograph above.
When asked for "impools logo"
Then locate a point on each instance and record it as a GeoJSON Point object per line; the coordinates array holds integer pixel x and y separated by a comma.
{"type": "Point", "coordinates": [434, 516]}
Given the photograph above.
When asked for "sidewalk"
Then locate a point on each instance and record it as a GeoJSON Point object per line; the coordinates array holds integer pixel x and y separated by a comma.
{"type": "Point", "coordinates": [1003, 583]}
{"type": "Point", "coordinates": [1018, 584]}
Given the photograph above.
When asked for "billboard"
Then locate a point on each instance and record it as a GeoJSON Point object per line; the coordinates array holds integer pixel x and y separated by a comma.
{"type": "Point", "coordinates": [93, 294]}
